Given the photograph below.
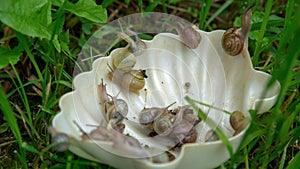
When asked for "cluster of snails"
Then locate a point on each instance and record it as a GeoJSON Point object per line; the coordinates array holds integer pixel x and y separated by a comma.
{"type": "Point", "coordinates": [121, 71]}
{"type": "Point", "coordinates": [177, 124]}
{"type": "Point", "coordinates": [115, 110]}
{"type": "Point", "coordinates": [233, 39]}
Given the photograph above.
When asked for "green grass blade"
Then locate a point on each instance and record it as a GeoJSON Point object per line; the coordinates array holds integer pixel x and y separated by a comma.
{"type": "Point", "coordinates": [210, 122]}
{"type": "Point", "coordinates": [217, 13]}
{"type": "Point", "coordinates": [9, 116]}
{"type": "Point", "coordinates": [283, 157]}
{"type": "Point", "coordinates": [204, 12]}
{"type": "Point", "coordinates": [262, 32]}
{"type": "Point", "coordinates": [25, 45]}
{"type": "Point", "coordinates": [12, 122]}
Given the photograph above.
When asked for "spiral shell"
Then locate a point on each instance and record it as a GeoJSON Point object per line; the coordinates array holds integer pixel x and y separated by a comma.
{"type": "Point", "coordinates": [232, 41]}
{"type": "Point", "coordinates": [60, 139]}
{"type": "Point", "coordinates": [148, 115]}
{"type": "Point", "coordinates": [123, 59]}
{"type": "Point", "coordinates": [238, 121]}
{"type": "Point", "coordinates": [163, 125]}
{"type": "Point", "coordinates": [134, 80]}
{"type": "Point", "coordinates": [116, 109]}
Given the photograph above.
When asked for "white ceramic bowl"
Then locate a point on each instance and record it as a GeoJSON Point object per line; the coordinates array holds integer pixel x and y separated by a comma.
{"type": "Point", "coordinates": [215, 78]}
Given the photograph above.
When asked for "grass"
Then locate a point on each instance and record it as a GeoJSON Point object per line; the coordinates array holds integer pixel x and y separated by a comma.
{"type": "Point", "coordinates": [31, 88]}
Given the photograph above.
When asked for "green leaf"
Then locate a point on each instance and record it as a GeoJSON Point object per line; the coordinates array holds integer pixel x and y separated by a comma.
{"type": "Point", "coordinates": [9, 56]}
{"type": "Point", "coordinates": [87, 9]}
{"type": "Point", "coordinates": [30, 17]}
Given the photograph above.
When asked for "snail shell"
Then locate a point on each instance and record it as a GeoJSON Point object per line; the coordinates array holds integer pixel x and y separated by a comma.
{"type": "Point", "coordinates": [234, 38]}
{"type": "Point", "coordinates": [134, 80]}
{"type": "Point", "coordinates": [148, 115]}
{"type": "Point", "coordinates": [116, 109]}
{"type": "Point", "coordinates": [123, 59]}
{"type": "Point", "coordinates": [163, 125]}
{"type": "Point", "coordinates": [232, 41]}
{"type": "Point", "coordinates": [60, 139]}
{"type": "Point", "coordinates": [238, 121]}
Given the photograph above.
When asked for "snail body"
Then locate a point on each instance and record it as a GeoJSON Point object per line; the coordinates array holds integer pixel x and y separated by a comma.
{"type": "Point", "coordinates": [188, 34]}
{"type": "Point", "coordinates": [190, 37]}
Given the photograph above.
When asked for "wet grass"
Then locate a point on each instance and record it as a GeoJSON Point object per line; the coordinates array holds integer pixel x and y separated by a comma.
{"type": "Point", "coordinates": [31, 87]}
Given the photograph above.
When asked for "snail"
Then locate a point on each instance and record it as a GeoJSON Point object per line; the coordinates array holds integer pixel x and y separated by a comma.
{"type": "Point", "coordinates": [148, 115]}
{"type": "Point", "coordinates": [133, 80]}
{"type": "Point", "coordinates": [99, 134]}
{"type": "Point", "coordinates": [139, 43]}
{"type": "Point", "coordinates": [121, 72]}
{"type": "Point", "coordinates": [186, 112]}
{"type": "Point", "coordinates": [61, 140]}
{"type": "Point", "coordinates": [163, 125]}
{"type": "Point", "coordinates": [114, 108]}
{"type": "Point", "coordinates": [238, 121]}
{"type": "Point", "coordinates": [188, 34]}
{"type": "Point", "coordinates": [125, 58]}
{"type": "Point", "coordinates": [233, 39]}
